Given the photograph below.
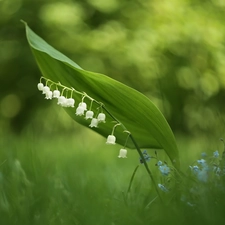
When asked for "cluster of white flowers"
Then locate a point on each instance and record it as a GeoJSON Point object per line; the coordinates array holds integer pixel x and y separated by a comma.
{"type": "Point", "coordinates": [62, 100]}
{"type": "Point", "coordinates": [70, 102]}
{"type": "Point", "coordinates": [81, 109]}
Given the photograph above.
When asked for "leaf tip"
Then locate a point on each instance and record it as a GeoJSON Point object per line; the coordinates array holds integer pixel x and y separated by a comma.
{"type": "Point", "coordinates": [22, 21]}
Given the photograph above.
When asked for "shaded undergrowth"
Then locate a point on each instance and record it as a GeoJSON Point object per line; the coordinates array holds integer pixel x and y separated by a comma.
{"type": "Point", "coordinates": [46, 181]}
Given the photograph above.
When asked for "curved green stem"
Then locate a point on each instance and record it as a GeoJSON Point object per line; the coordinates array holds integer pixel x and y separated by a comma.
{"type": "Point", "coordinates": [118, 123]}
{"type": "Point", "coordinates": [146, 166]}
{"type": "Point", "coordinates": [139, 152]}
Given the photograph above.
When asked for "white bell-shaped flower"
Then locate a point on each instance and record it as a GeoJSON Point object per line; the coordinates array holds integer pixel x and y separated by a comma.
{"type": "Point", "coordinates": [101, 118]}
{"type": "Point", "coordinates": [45, 89]}
{"type": "Point", "coordinates": [48, 95]}
{"type": "Point", "coordinates": [70, 102]}
{"type": "Point", "coordinates": [56, 94]}
{"type": "Point", "coordinates": [64, 103]}
{"type": "Point", "coordinates": [111, 139]}
{"type": "Point", "coordinates": [94, 123]}
{"type": "Point", "coordinates": [83, 105]}
{"type": "Point", "coordinates": [61, 100]}
{"type": "Point", "coordinates": [89, 114]}
{"type": "Point", "coordinates": [40, 86]}
{"type": "Point", "coordinates": [123, 153]}
{"type": "Point", "coordinates": [80, 111]}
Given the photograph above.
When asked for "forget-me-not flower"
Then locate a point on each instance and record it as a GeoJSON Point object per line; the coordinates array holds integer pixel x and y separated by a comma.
{"type": "Point", "coordinates": [147, 157]}
{"type": "Point", "coordinates": [164, 169]}
{"type": "Point", "coordinates": [216, 154]}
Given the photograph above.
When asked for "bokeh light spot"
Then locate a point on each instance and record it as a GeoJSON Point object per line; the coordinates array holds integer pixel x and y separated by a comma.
{"type": "Point", "coordinates": [105, 6]}
{"type": "Point", "coordinates": [9, 7]}
{"type": "Point", "coordinates": [10, 106]}
{"type": "Point", "coordinates": [187, 78]}
{"type": "Point", "coordinates": [67, 14]}
{"type": "Point", "coordinates": [209, 84]}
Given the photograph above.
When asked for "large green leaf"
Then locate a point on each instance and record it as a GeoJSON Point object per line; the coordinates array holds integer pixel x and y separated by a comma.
{"type": "Point", "coordinates": [135, 111]}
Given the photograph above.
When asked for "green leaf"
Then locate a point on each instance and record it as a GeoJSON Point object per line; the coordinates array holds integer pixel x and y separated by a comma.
{"type": "Point", "coordinates": [135, 111]}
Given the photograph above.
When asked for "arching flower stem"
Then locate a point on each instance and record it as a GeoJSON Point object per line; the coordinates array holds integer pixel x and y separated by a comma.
{"type": "Point", "coordinates": [146, 166]}
{"type": "Point", "coordinates": [118, 124]}
{"type": "Point", "coordinates": [126, 131]}
{"type": "Point", "coordinates": [138, 150]}
{"type": "Point", "coordinates": [101, 105]}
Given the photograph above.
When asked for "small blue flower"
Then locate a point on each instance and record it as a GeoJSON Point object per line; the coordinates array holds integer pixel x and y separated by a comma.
{"type": "Point", "coordinates": [159, 163]}
{"type": "Point", "coordinates": [217, 170]}
{"type": "Point", "coordinates": [163, 188]}
{"type": "Point", "coordinates": [147, 157]}
{"type": "Point", "coordinates": [201, 161]}
{"type": "Point", "coordinates": [164, 169]}
{"type": "Point", "coordinates": [202, 175]}
{"type": "Point", "coordinates": [202, 172]}
{"type": "Point", "coordinates": [195, 169]}
{"type": "Point", "coordinates": [203, 154]}
{"type": "Point", "coordinates": [216, 154]}
{"type": "Point", "coordinates": [190, 204]}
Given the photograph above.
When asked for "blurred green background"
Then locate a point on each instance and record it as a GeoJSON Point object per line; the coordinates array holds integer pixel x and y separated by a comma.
{"type": "Point", "coordinates": [172, 51]}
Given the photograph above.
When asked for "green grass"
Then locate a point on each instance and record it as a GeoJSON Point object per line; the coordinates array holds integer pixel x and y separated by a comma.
{"type": "Point", "coordinates": [59, 179]}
